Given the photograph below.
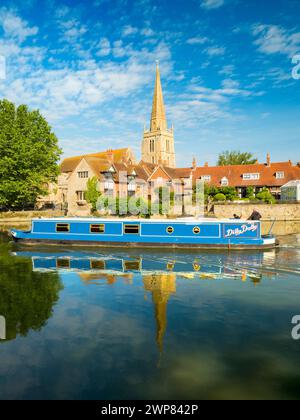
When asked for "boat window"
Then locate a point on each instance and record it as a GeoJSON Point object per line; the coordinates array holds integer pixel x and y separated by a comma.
{"type": "Point", "coordinates": [132, 265]}
{"type": "Point", "coordinates": [97, 265]}
{"type": "Point", "coordinates": [132, 229]}
{"type": "Point", "coordinates": [97, 228]}
{"type": "Point", "coordinates": [62, 227]}
{"type": "Point", "coordinates": [170, 230]}
{"type": "Point", "coordinates": [196, 230]}
{"type": "Point", "coordinates": [63, 263]}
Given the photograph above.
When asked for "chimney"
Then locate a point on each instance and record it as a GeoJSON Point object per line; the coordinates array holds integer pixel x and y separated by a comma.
{"type": "Point", "coordinates": [206, 164]}
{"type": "Point", "coordinates": [194, 164]}
{"type": "Point", "coordinates": [110, 155]}
{"type": "Point", "coordinates": [268, 160]}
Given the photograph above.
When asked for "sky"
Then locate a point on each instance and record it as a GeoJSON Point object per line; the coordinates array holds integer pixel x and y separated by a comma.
{"type": "Point", "coordinates": [228, 67]}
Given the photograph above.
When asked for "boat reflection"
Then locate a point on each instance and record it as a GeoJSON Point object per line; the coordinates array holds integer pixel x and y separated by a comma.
{"type": "Point", "coordinates": [94, 266]}
{"type": "Point", "coordinates": [159, 273]}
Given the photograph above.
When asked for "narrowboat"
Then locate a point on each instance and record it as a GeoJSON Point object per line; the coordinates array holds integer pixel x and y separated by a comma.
{"type": "Point", "coordinates": [190, 233]}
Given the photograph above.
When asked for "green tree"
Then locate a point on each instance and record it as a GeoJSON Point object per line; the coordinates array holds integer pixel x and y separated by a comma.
{"type": "Point", "coordinates": [229, 192]}
{"type": "Point", "coordinates": [250, 193]}
{"type": "Point", "coordinates": [29, 155]}
{"type": "Point", "coordinates": [92, 194]}
{"type": "Point", "coordinates": [235, 158]}
{"type": "Point", "coordinates": [266, 196]}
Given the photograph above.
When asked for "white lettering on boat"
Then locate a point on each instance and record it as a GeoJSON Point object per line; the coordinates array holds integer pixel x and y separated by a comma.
{"type": "Point", "coordinates": [238, 231]}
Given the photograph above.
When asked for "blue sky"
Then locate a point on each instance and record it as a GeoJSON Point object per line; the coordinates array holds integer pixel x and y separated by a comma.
{"type": "Point", "coordinates": [226, 69]}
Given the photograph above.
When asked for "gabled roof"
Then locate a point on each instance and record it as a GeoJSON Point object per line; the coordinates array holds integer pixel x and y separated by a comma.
{"type": "Point", "coordinates": [119, 155]}
{"type": "Point", "coordinates": [234, 174]}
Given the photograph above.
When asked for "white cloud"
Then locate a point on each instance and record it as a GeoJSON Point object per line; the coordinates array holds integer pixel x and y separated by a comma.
{"type": "Point", "coordinates": [272, 39]}
{"type": "Point", "coordinates": [129, 30]}
{"type": "Point", "coordinates": [148, 32]}
{"type": "Point", "coordinates": [215, 51]}
{"type": "Point", "coordinates": [197, 40]}
{"type": "Point", "coordinates": [227, 70]}
{"type": "Point", "coordinates": [104, 48]}
{"type": "Point", "coordinates": [71, 91]}
{"type": "Point", "coordinates": [212, 4]}
{"type": "Point", "coordinates": [15, 27]}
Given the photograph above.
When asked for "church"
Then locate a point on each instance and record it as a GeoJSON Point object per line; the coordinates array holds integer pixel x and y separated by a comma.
{"type": "Point", "coordinates": [158, 143]}
{"type": "Point", "coordinates": [119, 174]}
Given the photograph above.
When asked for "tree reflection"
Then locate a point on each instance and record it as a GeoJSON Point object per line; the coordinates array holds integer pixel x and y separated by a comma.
{"type": "Point", "coordinates": [26, 297]}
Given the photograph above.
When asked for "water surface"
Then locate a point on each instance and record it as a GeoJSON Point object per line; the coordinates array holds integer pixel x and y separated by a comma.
{"type": "Point", "coordinates": [89, 324]}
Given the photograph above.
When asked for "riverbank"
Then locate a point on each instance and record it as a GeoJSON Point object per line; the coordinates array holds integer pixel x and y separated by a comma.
{"type": "Point", "coordinates": [285, 223]}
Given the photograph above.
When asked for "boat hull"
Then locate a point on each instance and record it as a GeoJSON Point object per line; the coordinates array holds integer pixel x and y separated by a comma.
{"type": "Point", "coordinates": [169, 234]}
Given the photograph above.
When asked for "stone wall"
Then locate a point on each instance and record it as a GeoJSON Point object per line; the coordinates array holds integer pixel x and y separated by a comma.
{"type": "Point", "coordinates": [287, 216]}
{"type": "Point", "coordinates": [281, 212]}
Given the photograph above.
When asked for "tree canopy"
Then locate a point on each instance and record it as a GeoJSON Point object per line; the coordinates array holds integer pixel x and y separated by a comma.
{"type": "Point", "coordinates": [29, 155]}
{"type": "Point", "coordinates": [236, 158]}
{"type": "Point", "coordinates": [92, 194]}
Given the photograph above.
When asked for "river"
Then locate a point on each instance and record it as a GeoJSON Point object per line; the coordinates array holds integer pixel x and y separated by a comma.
{"type": "Point", "coordinates": [85, 324]}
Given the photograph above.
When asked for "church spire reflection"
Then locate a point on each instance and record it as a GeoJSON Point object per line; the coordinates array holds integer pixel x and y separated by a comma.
{"type": "Point", "coordinates": [162, 286]}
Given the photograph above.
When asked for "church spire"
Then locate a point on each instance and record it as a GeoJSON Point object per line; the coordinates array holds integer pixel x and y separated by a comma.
{"type": "Point", "coordinates": [158, 116]}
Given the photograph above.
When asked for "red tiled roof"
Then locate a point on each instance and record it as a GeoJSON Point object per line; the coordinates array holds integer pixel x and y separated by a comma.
{"type": "Point", "coordinates": [234, 174]}
{"type": "Point", "coordinates": [69, 164]}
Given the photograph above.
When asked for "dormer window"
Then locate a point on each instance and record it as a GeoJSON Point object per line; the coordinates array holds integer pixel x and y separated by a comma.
{"type": "Point", "coordinates": [224, 182]}
{"type": "Point", "coordinates": [206, 178]}
{"type": "Point", "coordinates": [251, 177]}
{"type": "Point", "coordinates": [83, 174]}
{"type": "Point", "coordinates": [280, 175]}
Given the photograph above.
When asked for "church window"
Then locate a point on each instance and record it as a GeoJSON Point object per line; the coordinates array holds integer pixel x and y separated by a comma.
{"type": "Point", "coordinates": [168, 145]}
{"type": "Point", "coordinates": [152, 148]}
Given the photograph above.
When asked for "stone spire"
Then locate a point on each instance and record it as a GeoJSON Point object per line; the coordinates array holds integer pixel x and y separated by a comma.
{"type": "Point", "coordinates": [158, 116]}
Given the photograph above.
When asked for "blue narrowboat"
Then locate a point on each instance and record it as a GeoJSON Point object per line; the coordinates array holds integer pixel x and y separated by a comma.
{"type": "Point", "coordinates": [148, 233]}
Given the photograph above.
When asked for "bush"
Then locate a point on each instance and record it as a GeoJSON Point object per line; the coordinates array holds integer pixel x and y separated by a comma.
{"type": "Point", "coordinates": [229, 192]}
{"type": "Point", "coordinates": [266, 196]}
{"type": "Point", "coordinates": [220, 197]}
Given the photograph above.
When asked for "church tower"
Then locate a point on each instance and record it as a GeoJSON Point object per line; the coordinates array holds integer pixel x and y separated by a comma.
{"type": "Point", "coordinates": [158, 142]}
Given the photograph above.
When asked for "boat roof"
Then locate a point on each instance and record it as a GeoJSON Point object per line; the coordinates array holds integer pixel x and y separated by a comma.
{"type": "Point", "coordinates": [127, 220]}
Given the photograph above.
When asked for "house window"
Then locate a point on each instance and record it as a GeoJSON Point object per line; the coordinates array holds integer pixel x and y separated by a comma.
{"type": "Point", "coordinates": [132, 187]}
{"type": "Point", "coordinates": [97, 228]}
{"type": "Point", "coordinates": [81, 195]}
{"type": "Point", "coordinates": [224, 182]}
{"type": "Point", "coordinates": [280, 175]}
{"type": "Point", "coordinates": [131, 229]}
{"type": "Point", "coordinates": [251, 177]}
{"type": "Point", "coordinates": [62, 227]}
{"type": "Point", "coordinates": [206, 178]}
{"type": "Point", "coordinates": [83, 174]}
{"type": "Point", "coordinates": [109, 185]}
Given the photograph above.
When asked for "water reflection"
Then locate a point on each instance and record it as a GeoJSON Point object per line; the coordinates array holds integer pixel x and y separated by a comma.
{"type": "Point", "coordinates": [27, 297]}
{"type": "Point", "coordinates": [159, 272]}
{"type": "Point", "coordinates": [219, 324]}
